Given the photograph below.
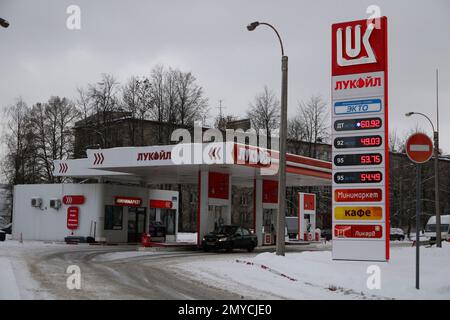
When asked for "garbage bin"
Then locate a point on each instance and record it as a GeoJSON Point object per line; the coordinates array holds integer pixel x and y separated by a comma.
{"type": "Point", "coordinates": [157, 231]}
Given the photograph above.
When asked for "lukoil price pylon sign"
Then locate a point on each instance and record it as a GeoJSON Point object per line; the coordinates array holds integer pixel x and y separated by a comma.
{"type": "Point", "coordinates": [359, 140]}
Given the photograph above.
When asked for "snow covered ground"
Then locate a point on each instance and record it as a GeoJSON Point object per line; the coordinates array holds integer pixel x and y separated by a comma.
{"type": "Point", "coordinates": [15, 279]}
{"type": "Point", "coordinates": [313, 275]}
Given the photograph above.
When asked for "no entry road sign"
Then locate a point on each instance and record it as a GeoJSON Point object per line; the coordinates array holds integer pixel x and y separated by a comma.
{"type": "Point", "coordinates": [419, 148]}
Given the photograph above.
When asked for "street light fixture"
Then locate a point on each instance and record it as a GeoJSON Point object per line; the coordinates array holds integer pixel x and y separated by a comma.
{"type": "Point", "coordinates": [436, 178]}
{"type": "Point", "coordinates": [281, 217]}
{"type": "Point", "coordinates": [4, 23]}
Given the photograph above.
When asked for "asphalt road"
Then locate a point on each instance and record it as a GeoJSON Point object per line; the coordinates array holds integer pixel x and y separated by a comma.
{"type": "Point", "coordinates": [142, 277]}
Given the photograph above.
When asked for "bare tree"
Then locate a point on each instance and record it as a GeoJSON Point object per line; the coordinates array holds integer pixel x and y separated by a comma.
{"type": "Point", "coordinates": [314, 115]}
{"type": "Point", "coordinates": [51, 125]}
{"type": "Point", "coordinates": [296, 133]}
{"type": "Point", "coordinates": [221, 122]}
{"type": "Point", "coordinates": [18, 142]}
{"type": "Point", "coordinates": [135, 102]}
{"type": "Point", "coordinates": [264, 112]}
{"type": "Point", "coordinates": [103, 97]}
{"type": "Point", "coordinates": [192, 104]}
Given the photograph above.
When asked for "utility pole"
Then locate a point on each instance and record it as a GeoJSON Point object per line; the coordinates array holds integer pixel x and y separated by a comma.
{"type": "Point", "coordinates": [281, 217]}
{"type": "Point", "coordinates": [436, 167]}
{"type": "Point", "coordinates": [220, 109]}
{"type": "Point", "coordinates": [418, 209]}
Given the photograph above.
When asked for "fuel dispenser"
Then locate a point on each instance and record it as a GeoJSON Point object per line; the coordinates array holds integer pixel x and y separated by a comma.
{"type": "Point", "coordinates": [270, 210]}
{"type": "Point", "coordinates": [269, 226]}
{"type": "Point", "coordinates": [163, 215]}
{"type": "Point", "coordinates": [307, 217]}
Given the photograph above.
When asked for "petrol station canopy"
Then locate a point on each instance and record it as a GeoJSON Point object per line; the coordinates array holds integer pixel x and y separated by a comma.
{"type": "Point", "coordinates": [181, 164]}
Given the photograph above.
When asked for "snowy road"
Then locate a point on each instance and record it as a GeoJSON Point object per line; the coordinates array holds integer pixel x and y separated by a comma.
{"type": "Point", "coordinates": [38, 270]}
{"type": "Point", "coordinates": [120, 274]}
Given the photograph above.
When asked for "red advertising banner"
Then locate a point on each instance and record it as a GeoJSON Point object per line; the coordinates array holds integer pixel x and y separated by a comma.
{"type": "Point", "coordinates": [359, 231]}
{"type": "Point", "coordinates": [270, 191]}
{"type": "Point", "coordinates": [161, 204]}
{"type": "Point", "coordinates": [72, 218]}
{"type": "Point", "coordinates": [219, 184]}
{"type": "Point", "coordinates": [73, 199]}
{"type": "Point", "coordinates": [358, 195]}
{"type": "Point", "coordinates": [127, 201]}
{"type": "Point", "coordinates": [309, 201]}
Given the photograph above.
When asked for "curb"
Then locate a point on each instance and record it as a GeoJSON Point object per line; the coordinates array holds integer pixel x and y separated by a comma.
{"type": "Point", "coordinates": [264, 267]}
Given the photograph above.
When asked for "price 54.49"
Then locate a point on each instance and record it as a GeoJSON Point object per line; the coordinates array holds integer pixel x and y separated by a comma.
{"type": "Point", "coordinates": [358, 177]}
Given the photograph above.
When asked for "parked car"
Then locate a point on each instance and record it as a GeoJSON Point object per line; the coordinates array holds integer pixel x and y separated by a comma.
{"type": "Point", "coordinates": [7, 229]}
{"type": "Point", "coordinates": [230, 237]}
{"type": "Point", "coordinates": [397, 234]}
{"type": "Point", "coordinates": [430, 228]}
{"type": "Point", "coordinates": [326, 234]}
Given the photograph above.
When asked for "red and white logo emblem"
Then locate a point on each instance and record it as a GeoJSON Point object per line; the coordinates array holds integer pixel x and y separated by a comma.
{"type": "Point", "coordinates": [359, 46]}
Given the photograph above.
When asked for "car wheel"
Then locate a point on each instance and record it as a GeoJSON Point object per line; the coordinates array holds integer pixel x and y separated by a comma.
{"type": "Point", "coordinates": [251, 248]}
{"type": "Point", "coordinates": [229, 248]}
{"type": "Point", "coordinates": [206, 249]}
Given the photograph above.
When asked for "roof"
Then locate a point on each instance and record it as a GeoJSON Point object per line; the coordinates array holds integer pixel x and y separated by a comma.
{"type": "Point", "coordinates": [181, 163]}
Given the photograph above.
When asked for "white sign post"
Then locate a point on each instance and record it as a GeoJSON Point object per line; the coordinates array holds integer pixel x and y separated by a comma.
{"type": "Point", "coordinates": [359, 141]}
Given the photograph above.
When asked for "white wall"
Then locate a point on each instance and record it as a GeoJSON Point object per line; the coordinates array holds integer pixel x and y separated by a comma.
{"type": "Point", "coordinates": [46, 223]}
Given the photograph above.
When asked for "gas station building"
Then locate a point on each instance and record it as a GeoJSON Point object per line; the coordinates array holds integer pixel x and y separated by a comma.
{"type": "Point", "coordinates": [121, 205]}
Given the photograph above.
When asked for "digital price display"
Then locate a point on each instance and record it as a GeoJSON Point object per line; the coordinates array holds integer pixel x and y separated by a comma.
{"type": "Point", "coordinates": [369, 159]}
{"type": "Point", "coordinates": [358, 177]}
{"type": "Point", "coordinates": [357, 142]}
{"type": "Point", "coordinates": [358, 124]}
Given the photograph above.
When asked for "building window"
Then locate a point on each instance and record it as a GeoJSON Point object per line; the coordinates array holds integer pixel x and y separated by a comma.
{"type": "Point", "coordinates": [113, 217]}
{"type": "Point", "coordinates": [243, 200]}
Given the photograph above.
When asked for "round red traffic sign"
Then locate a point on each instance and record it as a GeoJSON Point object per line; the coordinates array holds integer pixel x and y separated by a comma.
{"type": "Point", "coordinates": [419, 148]}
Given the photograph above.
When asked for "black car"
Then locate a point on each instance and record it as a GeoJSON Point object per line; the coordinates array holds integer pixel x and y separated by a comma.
{"type": "Point", "coordinates": [7, 229]}
{"type": "Point", "coordinates": [229, 238]}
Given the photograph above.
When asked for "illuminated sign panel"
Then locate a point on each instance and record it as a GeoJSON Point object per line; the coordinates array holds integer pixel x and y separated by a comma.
{"type": "Point", "coordinates": [358, 195]}
{"type": "Point", "coordinates": [364, 159]}
{"type": "Point", "coordinates": [358, 231]}
{"type": "Point", "coordinates": [358, 177]}
{"type": "Point", "coordinates": [358, 124]}
{"type": "Point", "coordinates": [358, 213]}
{"type": "Point", "coordinates": [359, 140]}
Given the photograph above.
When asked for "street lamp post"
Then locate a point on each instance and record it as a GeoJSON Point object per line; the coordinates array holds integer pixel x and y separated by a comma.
{"type": "Point", "coordinates": [281, 217]}
{"type": "Point", "coordinates": [436, 177]}
{"type": "Point", "coordinates": [4, 23]}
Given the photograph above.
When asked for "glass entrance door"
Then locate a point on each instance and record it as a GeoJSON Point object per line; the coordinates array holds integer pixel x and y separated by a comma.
{"type": "Point", "coordinates": [136, 223]}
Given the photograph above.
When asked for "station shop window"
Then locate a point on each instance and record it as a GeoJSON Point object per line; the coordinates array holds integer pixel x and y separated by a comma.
{"type": "Point", "coordinates": [113, 218]}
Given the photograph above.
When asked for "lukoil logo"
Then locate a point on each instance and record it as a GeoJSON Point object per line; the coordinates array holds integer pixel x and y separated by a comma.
{"type": "Point", "coordinates": [354, 52]}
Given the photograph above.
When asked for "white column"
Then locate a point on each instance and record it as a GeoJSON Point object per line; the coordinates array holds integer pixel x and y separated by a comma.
{"type": "Point", "coordinates": [228, 207]}
{"type": "Point", "coordinates": [301, 216]}
{"type": "Point", "coordinates": [258, 209]}
{"type": "Point", "coordinates": [202, 215]}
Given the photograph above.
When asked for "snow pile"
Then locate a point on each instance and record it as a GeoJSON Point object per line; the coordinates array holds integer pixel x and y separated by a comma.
{"type": "Point", "coordinates": [16, 281]}
{"type": "Point", "coordinates": [318, 277]}
{"type": "Point", "coordinates": [9, 288]}
{"type": "Point", "coordinates": [187, 237]}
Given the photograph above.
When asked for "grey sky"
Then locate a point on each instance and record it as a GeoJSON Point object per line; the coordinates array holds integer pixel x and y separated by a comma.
{"type": "Point", "coordinates": [40, 57]}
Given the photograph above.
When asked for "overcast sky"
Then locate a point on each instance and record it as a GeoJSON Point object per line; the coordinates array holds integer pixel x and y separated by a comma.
{"type": "Point", "coordinates": [40, 57]}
